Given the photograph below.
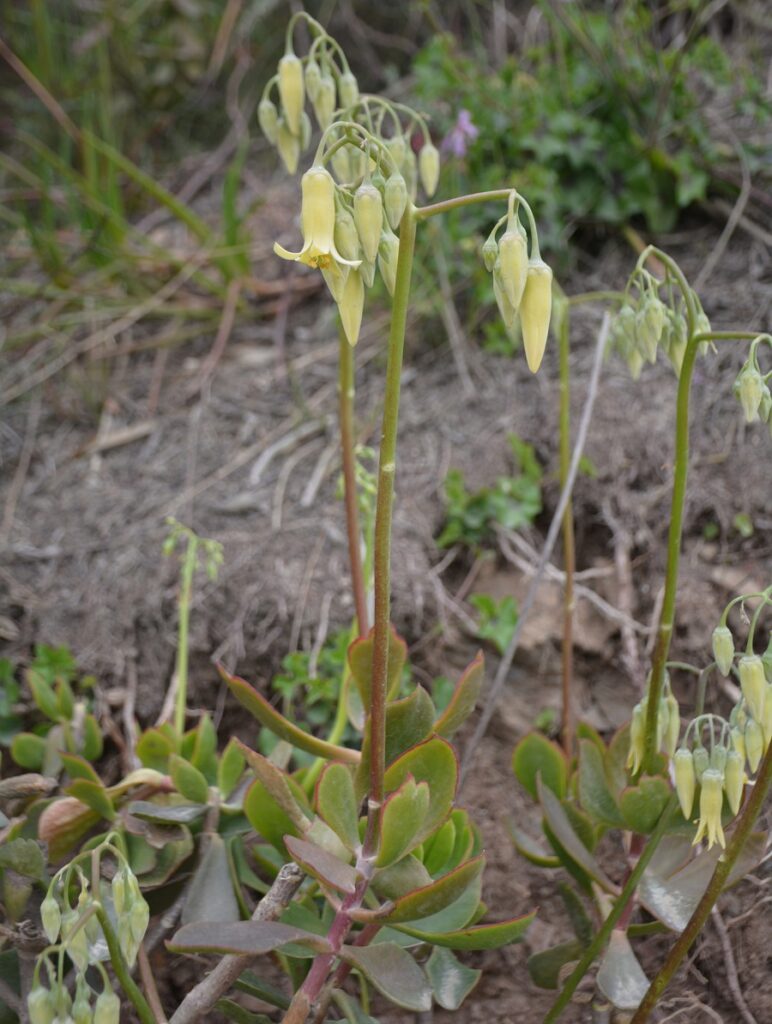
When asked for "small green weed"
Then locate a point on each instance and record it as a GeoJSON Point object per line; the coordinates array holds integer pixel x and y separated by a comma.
{"type": "Point", "coordinates": [512, 502]}
{"type": "Point", "coordinates": [498, 619]}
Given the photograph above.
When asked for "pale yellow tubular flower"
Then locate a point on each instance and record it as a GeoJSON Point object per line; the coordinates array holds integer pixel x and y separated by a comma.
{"type": "Point", "coordinates": [685, 780]}
{"type": "Point", "coordinates": [734, 780]}
{"type": "Point", "coordinates": [535, 312]}
{"type": "Point", "coordinates": [753, 684]}
{"type": "Point", "coordinates": [317, 221]}
{"type": "Point", "coordinates": [711, 802]}
{"type": "Point", "coordinates": [513, 253]}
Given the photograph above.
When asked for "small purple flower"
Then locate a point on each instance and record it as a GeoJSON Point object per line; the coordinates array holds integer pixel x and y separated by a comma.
{"type": "Point", "coordinates": [463, 131]}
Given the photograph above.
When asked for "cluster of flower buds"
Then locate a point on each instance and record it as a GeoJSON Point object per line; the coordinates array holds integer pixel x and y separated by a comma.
{"type": "Point", "coordinates": [522, 285]}
{"type": "Point", "coordinates": [645, 323]}
{"type": "Point", "coordinates": [752, 389]}
{"type": "Point", "coordinates": [717, 771]}
{"type": "Point", "coordinates": [361, 181]}
{"type": "Point", "coordinates": [132, 912]}
{"type": "Point", "coordinates": [668, 726]}
{"type": "Point", "coordinates": [56, 1006]}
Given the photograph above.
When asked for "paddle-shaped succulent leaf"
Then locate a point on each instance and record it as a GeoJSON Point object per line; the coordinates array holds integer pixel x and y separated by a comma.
{"type": "Point", "coordinates": [536, 756]}
{"type": "Point", "coordinates": [242, 938]}
{"type": "Point", "coordinates": [393, 972]}
{"type": "Point", "coordinates": [402, 815]}
{"type": "Point", "coordinates": [360, 660]}
{"type": "Point", "coordinates": [434, 762]}
{"type": "Point", "coordinates": [464, 698]}
{"type": "Point", "coordinates": [336, 803]}
{"type": "Point", "coordinates": [323, 866]}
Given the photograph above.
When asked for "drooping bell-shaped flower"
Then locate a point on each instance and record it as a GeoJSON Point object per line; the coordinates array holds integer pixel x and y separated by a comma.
{"type": "Point", "coordinates": [753, 684]}
{"type": "Point", "coordinates": [535, 310]}
{"type": "Point", "coordinates": [723, 649]}
{"type": "Point", "coordinates": [317, 221]}
{"type": "Point", "coordinates": [685, 780]}
{"type": "Point", "coordinates": [711, 802]}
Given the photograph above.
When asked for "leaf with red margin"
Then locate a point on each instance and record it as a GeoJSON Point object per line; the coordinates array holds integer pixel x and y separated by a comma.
{"type": "Point", "coordinates": [280, 726]}
{"type": "Point", "coordinates": [242, 938]}
{"type": "Point", "coordinates": [320, 864]}
{"type": "Point", "coordinates": [431, 899]}
{"type": "Point", "coordinates": [482, 936]}
{"type": "Point", "coordinates": [464, 698]}
{"type": "Point", "coordinates": [360, 661]}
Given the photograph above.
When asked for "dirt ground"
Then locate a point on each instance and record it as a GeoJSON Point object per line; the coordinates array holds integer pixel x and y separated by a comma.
{"type": "Point", "coordinates": [251, 460]}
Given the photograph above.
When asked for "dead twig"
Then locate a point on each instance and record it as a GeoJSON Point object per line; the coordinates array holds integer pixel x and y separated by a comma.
{"type": "Point", "coordinates": [200, 1000]}
{"type": "Point", "coordinates": [731, 967]}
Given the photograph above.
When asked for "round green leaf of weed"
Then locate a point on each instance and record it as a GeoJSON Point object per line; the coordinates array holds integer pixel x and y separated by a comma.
{"type": "Point", "coordinates": [536, 755]}
{"type": "Point", "coordinates": [642, 805]}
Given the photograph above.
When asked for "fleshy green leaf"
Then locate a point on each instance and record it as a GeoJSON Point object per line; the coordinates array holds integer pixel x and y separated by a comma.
{"type": "Point", "coordinates": [408, 722]}
{"type": "Point", "coordinates": [78, 768]}
{"type": "Point", "coordinates": [167, 814]}
{"type": "Point", "coordinates": [167, 860]}
{"type": "Point", "coordinates": [438, 849]}
{"type": "Point", "coordinates": [188, 780]}
{"type": "Point", "coordinates": [154, 747]}
{"type": "Point", "coordinates": [558, 821]}
{"type": "Point", "coordinates": [620, 977]}
{"type": "Point", "coordinates": [435, 897]}
{"type": "Point", "coordinates": [92, 745]}
{"type": "Point", "coordinates": [545, 967]}
{"type": "Point", "coordinates": [433, 761]}
{"type": "Point", "coordinates": [483, 936]}
{"type": "Point", "coordinates": [402, 815]}
{"type": "Point", "coordinates": [93, 795]}
{"type": "Point", "coordinates": [393, 972]}
{"type": "Point", "coordinates": [401, 878]}
{"type": "Point", "coordinates": [268, 818]}
{"type": "Point", "coordinates": [594, 794]}
{"type": "Point", "coordinates": [230, 768]}
{"type": "Point", "coordinates": [28, 750]}
{"type": "Point", "coordinates": [531, 849]}
{"type": "Point", "coordinates": [280, 726]}
{"type": "Point", "coordinates": [277, 783]}
{"type": "Point", "coordinates": [329, 870]}
{"type": "Point", "coordinates": [25, 857]}
{"type": "Point", "coordinates": [337, 805]}
{"type": "Point", "coordinates": [577, 914]}
{"type": "Point", "coordinates": [464, 698]}
{"type": "Point", "coordinates": [63, 823]}
{"type": "Point", "coordinates": [210, 895]}
{"type": "Point", "coordinates": [242, 938]}
{"type": "Point", "coordinates": [451, 981]}
{"type": "Point", "coordinates": [203, 756]}
{"type": "Point", "coordinates": [535, 755]}
{"type": "Point", "coordinates": [360, 660]}
{"type": "Point", "coordinates": [642, 805]}
{"type": "Point", "coordinates": [44, 696]}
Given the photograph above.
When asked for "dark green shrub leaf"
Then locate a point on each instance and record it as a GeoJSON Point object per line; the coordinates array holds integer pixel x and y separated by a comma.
{"type": "Point", "coordinates": [77, 767]}
{"type": "Point", "coordinates": [620, 977]}
{"type": "Point", "coordinates": [579, 918]}
{"type": "Point", "coordinates": [204, 753]}
{"type": "Point", "coordinates": [531, 849]}
{"type": "Point", "coordinates": [408, 721]}
{"type": "Point", "coordinates": [451, 981]}
{"type": "Point", "coordinates": [28, 751]}
{"type": "Point", "coordinates": [154, 747]}
{"type": "Point", "coordinates": [270, 819]}
{"type": "Point", "coordinates": [393, 972]}
{"type": "Point", "coordinates": [167, 814]}
{"type": "Point", "coordinates": [483, 936]}
{"type": "Point", "coordinates": [44, 696]}
{"type": "Point", "coordinates": [230, 768]}
{"type": "Point", "coordinates": [535, 755]}
{"type": "Point", "coordinates": [438, 848]}
{"type": "Point", "coordinates": [435, 897]}
{"type": "Point", "coordinates": [25, 857]}
{"type": "Point", "coordinates": [92, 744]}
{"type": "Point", "coordinates": [401, 878]}
{"type": "Point", "coordinates": [557, 819]}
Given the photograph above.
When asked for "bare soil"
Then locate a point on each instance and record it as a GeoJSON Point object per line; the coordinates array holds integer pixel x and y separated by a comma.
{"type": "Point", "coordinates": [80, 559]}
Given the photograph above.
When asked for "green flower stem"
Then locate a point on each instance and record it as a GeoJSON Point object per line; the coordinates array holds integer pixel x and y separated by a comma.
{"type": "Point", "coordinates": [569, 550]}
{"type": "Point", "coordinates": [383, 518]}
{"type": "Point", "coordinates": [602, 937]}
{"type": "Point", "coordinates": [121, 969]}
{"type": "Point", "coordinates": [181, 667]}
{"type": "Point", "coordinates": [725, 864]}
{"type": "Point", "coordinates": [346, 416]}
{"type": "Point", "coordinates": [424, 212]}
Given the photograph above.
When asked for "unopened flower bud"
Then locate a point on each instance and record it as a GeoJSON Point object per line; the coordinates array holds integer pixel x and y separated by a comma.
{"type": "Point", "coordinates": [711, 803]}
{"type": "Point", "coordinates": [749, 387]}
{"type": "Point", "coordinates": [673, 725]}
{"type": "Point", "coordinates": [351, 306]}
{"type": "Point", "coordinates": [649, 323]}
{"type": "Point", "coordinates": [288, 146]}
{"type": "Point", "coordinates": [718, 756]}
{"type": "Point", "coordinates": [634, 363]}
{"type": "Point", "coordinates": [734, 779]}
{"type": "Point", "coordinates": [108, 1008]}
{"type": "Point", "coordinates": [291, 90]}
{"type": "Point", "coordinates": [348, 89]}
{"type": "Point", "coordinates": [268, 119]}
{"type": "Point", "coordinates": [313, 78]}
{"type": "Point", "coordinates": [395, 199]}
{"type": "Point", "coordinates": [766, 724]}
{"type": "Point", "coordinates": [490, 251]}
{"type": "Point", "coordinates": [81, 1007]}
{"type": "Point", "coordinates": [324, 104]}
{"type": "Point", "coordinates": [753, 684]}
{"type": "Point", "coordinates": [368, 216]}
{"type": "Point", "coordinates": [513, 253]}
{"type": "Point", "coordinates": [637, 738]}
{"type": "Point", "coordinates": [506, 309]}
{"type": "Point", "coordinates": [139, 915]}
{"type": "Point", "coordinates": [51, 917]}
{"type": "Point", "coordinates": [346, 236]}
{"type": "Point", "coordinates": [535, 311]}
{"type": "Point", "coordinates": [429, 168]}
{"type": "Point", "coordinates": [685, 780]}
{"type": "Point", "coordinates": [397, 148]}
{"type": "Point", "coordinates": [75, 941]}
{"type": "Point", "coordinates": [701, 760]}
{"type": "Point", "coordinates": [737, 735]}
{"type": "Point", "coordinates": [723, 649]}
{"type": "Point", "coordinates": [41, 1006]}
{"type": "Point", "coordinates": [305, 130]}
{"type": "Point", "coordinates": [754, 744]}
{"type": "Point", "coordinates": [388, 253]}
